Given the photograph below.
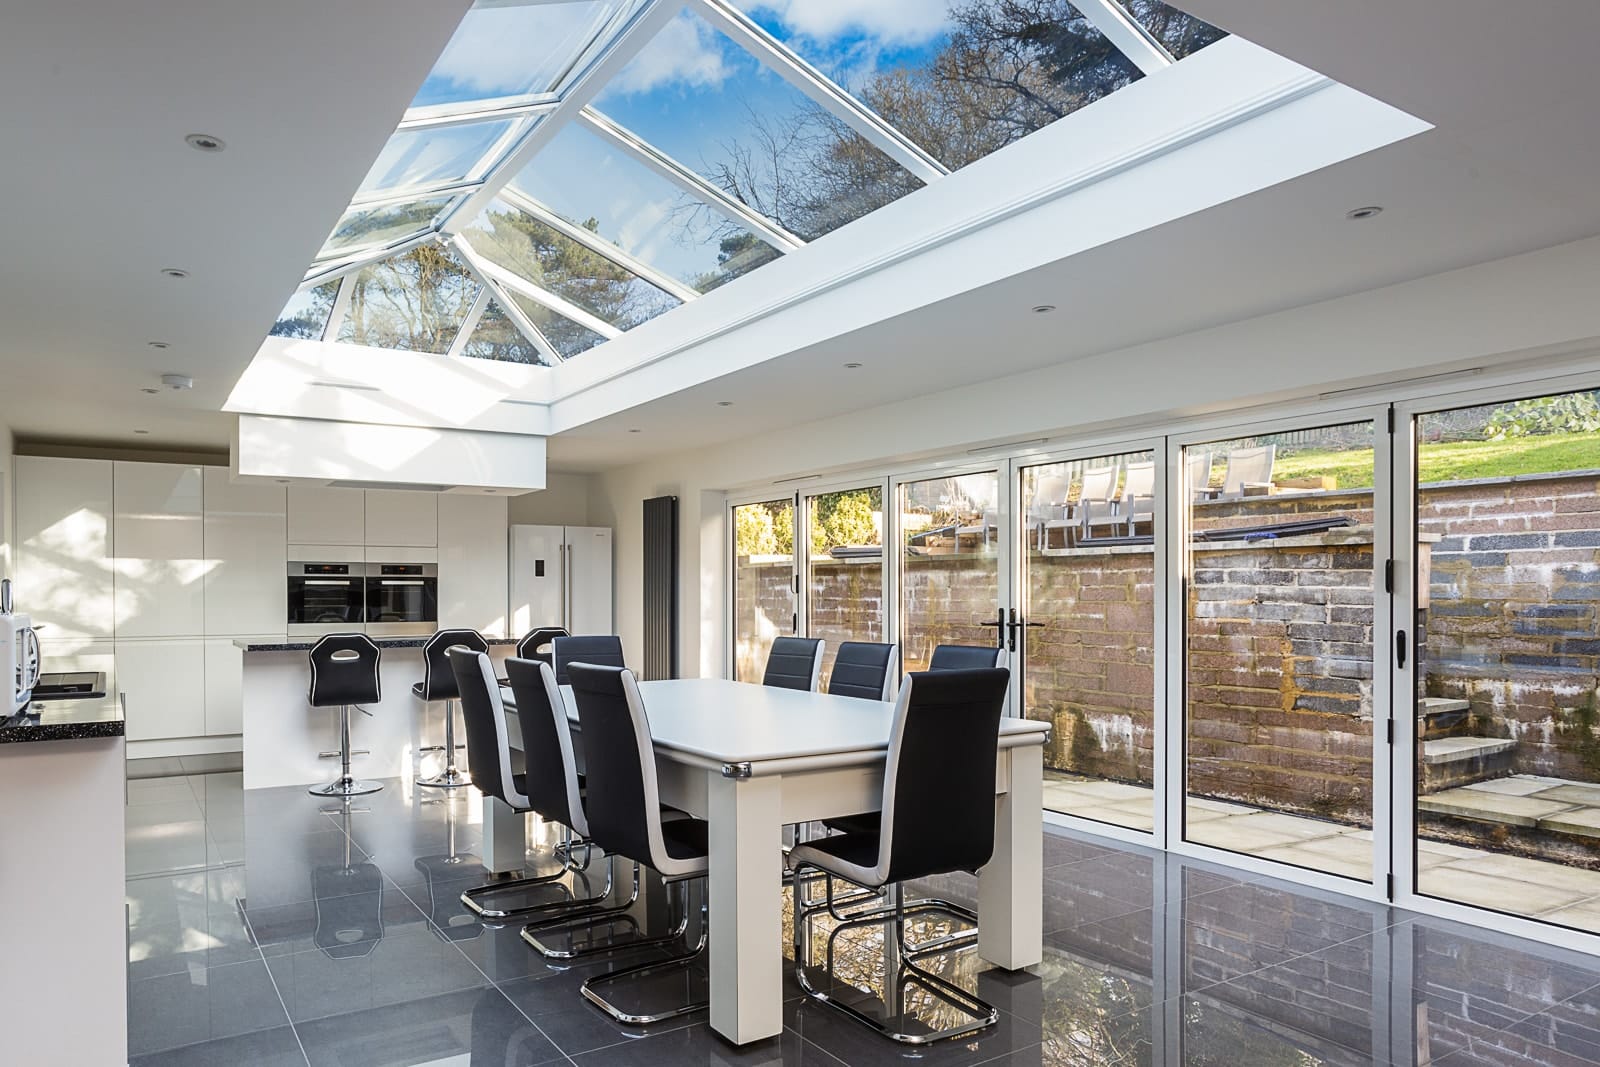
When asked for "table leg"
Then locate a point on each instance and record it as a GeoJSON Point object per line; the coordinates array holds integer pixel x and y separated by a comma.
{"type": "Point", "coordinates": [746, 883]}
{"type": "Point", "coordinates": [1011, 887]}
{"type": "Point", "coordinates": [505, 837]}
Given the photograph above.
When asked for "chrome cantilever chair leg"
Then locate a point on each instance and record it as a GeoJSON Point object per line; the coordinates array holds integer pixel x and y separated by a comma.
{"type": "Point", "coordinates": [904, 971]}
{"type": "Point", "coordinates": [584, 920]}
{"type": "Point", "coordinates": [698, 999]}
{"type": "Point", "coordinates": [474, 898]}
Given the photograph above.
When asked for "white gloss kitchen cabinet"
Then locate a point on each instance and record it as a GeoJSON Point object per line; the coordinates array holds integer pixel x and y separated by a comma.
{"type": "Point", "coordinates": [158, 534]}
{"type": "Point", "coordinates": [322, 515]}
{"type": "Point", "coordinates": [163, 687]}
{"type": "Point", "coordinates": [246, 544]}
{"type": "Point", "coordinates": [63, 554]}
{"type": "Point", "coordinates": [401, 517]}
{"type": "Point", "coordinates": [561, 576]}
{"type": "Point", "coordinates": [473, 568]}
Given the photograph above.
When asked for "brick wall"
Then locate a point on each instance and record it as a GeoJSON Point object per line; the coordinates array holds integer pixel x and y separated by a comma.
{"type": "Point", "coordinates": [1514, 623]}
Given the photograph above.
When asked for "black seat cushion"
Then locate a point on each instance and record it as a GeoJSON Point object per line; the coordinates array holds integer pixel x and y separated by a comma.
{"type": "Point", "coordinates": [686, 839]}
{"type": "Point", "coordinates": [868, 822]}
{"type": "Point", "coordinates": [858, 849]}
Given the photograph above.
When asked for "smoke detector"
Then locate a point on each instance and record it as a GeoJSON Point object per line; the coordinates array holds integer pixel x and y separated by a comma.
{"type": "Point", "coordinates": [177, 382]}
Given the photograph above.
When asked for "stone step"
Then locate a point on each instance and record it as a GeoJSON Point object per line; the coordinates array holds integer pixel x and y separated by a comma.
{"type": "Point", "coordinates": [1448, 762]}
{"type": "Point", "coordinates": [1427, 706]}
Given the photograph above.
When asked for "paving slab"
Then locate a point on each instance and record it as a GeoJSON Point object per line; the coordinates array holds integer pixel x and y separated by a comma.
{"type": "Point", "coordinates": [1539, 873]}
{"type": "Point", "coordinates": [1582, 821]}
{"type": "Point", "coordinates": [1457, 882]}
{"type": "Point", "coordinates": [1456, 749]}
{"type": "Point", "coordinates": [1491, 807]}
{"type": "Point", "coordinates": [1350, 865]}
{"type": "Point", "coordinates": [1133, 820]}
{"type": "Point", "coordinates": [1584, 916]}
{"type": "Point", "coordinates": [1518, 785]}
{"type": "Point", "coordinates": [1573, 793]}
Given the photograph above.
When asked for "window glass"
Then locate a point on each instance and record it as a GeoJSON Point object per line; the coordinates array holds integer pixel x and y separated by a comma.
{"type": "Point", "coordinates": [512, 49]}
{"type": "Point", "coordinates": [306, 313]}
{"type": "Point", "coordinates": [415, 302]}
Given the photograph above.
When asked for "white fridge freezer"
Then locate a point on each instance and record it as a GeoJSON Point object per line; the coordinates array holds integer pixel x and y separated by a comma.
{"type": "Point", "coordinates": [561, 576]}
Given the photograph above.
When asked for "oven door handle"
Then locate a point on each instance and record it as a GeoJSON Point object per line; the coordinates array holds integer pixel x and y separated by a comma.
{"type": "Point", "coordinates": [401, 581]}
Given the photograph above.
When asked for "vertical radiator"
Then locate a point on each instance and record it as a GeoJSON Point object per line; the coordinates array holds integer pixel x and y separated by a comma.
{"type": "Point", "coordinates": [661, 587]}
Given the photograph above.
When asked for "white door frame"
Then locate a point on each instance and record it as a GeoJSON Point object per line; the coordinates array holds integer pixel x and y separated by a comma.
{"type": "Point", "coordinates": [1176, 550]}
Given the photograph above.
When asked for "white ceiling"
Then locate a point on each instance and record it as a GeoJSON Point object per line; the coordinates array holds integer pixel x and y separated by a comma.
{"type": "Point", "coordinates": [101, 192]}
{"type": "Point", "coordinates": [116, 195]}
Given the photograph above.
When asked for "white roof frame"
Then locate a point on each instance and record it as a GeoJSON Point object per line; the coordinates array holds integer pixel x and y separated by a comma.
{"type": "Point", "coordinates": [561, 306]}
{"type": "Point", "coordinates": [528, 328]}
{"type": "Point", "coordinates": [820, 88]}
{"type": "Point", "coordinates": [1125, 33]}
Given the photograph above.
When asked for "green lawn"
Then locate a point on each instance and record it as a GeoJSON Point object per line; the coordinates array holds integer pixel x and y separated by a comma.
{"type": "Point", "coordinates": [1455, 460]}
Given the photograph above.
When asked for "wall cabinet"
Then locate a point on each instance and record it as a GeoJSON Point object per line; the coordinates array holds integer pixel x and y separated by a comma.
{"type": "Point", "coordinates": [245, 552]}
{"type": "Point", "coordinates": [319, 515]}
{"type": "Point", "coordinates": [63, 561]}
{"type": "Point", "coordinates": [163, 686]}
{"type": "Point", "coordinates": [472, 563]}
{"type": "Point", "coordinates": [159, 541]}
{"type": "Point", "coordinates": [402, 517]}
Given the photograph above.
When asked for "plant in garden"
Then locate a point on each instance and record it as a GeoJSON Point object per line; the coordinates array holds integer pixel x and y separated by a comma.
{"type": "Point", "coordinates": [1566, 413]}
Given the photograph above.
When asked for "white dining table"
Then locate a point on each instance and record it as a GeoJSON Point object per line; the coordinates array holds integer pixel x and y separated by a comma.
{"type": "Point", "coordinates": [751, 760]}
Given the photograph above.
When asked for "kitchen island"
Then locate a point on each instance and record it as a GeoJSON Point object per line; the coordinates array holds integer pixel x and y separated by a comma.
{"type": "Point", "coordinates": [284, 735]}
{"type": "Point", "coordinates": [63, 788]}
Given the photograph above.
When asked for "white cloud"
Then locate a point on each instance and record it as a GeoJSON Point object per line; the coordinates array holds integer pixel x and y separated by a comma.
{"type": "Point", "coordinates": [889, 22]}
{"type": "Point", "coordinates": [686, 52]}
{"type": "Point", "coordinates": [499, 50]}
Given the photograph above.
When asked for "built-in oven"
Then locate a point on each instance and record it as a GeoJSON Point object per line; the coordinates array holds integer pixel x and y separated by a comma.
{"type": "Point", "coordinates": [402, 599]}
{"type": "Point", "coordinates": [326, 598]}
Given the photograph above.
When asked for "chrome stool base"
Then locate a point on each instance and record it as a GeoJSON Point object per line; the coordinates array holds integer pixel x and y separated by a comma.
{"type": "Point", "coordinates": [346, 787]}
{"type": "Point", "coordinates": [450, 778]}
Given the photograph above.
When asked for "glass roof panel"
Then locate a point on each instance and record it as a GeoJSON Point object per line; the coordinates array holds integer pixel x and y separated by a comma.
{"type": "Point", "coordinates": [513, 49]}
{"type": "Point", "coordinates": [383, 223]}
{"type": "Point", "coordinates": [565, 336]}
{"type": "Point", "coordinates": [421, 157]}
{"type": "Point", "coordinates": [584, 179]}
{"type": "Point", "coordinates": [1178, 32]}
{"type": "Point", "coordinates": [306, 314]}
{"type": "Point", "coordinates": [497, 337]}
{"type": "Point", "coordinates": [959, 78]}
{"type": "Point", "coordinates": [559, 265]}
{"type": "Point", "coordinates": [710, 105]}
{"type": "Point", "coordinates": [415, 302]}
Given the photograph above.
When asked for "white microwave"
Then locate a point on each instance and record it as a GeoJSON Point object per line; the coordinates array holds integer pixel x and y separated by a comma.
{"type": "Point", "coordinates": [19, 662]}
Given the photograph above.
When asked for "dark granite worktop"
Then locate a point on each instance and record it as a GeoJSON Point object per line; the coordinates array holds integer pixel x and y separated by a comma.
{"type": "Point", "coordinates": [304, 644]}
{"type": "Point", "coordinates": [63, 720]}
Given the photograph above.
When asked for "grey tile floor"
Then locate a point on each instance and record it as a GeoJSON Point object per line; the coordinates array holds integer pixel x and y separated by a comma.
{"type": "Point", "coordinates": [264, 929]}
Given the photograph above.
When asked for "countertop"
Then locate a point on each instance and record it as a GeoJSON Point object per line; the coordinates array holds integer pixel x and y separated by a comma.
{"type": "Point", "coordinates": [64, 720]}
{"type": "Point", "coordinates": [304, 644]}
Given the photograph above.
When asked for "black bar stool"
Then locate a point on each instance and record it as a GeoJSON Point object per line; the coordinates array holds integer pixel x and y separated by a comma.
{"type": "Point", "coordinates": [344, 672]}
{"type": "Point", "coordinates": [439, 683]}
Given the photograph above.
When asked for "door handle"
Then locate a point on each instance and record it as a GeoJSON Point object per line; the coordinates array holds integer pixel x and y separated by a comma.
{"type": "Point", "coordinates": [1400, 649]}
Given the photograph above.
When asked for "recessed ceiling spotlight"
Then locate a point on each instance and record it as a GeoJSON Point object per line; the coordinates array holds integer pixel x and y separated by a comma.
{"type": "Point", "coordinates": [159, 344]}
{"type": "Point", "coordinates": [724, 403]}
{"type": "Point", "coordinates": [1367, 212]}
{"type": "Point", "coordinates": [852, 366]}
{"type": "Point", "coordinates": [141, 431]}
{"type": "Point", "coordinates": [1043, 309]}
{"type": "Point", "coordinates": [174, 272]}
{"type": "Point", "coordinates": [205, 142]}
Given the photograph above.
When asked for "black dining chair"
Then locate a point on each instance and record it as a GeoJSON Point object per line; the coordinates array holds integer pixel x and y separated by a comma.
{"type": "Point", "coordinates": [937, 818]}
{"type": "Point", "coordinates": [865, 669]}
{"type": "Point", "coordinates": [439, 683]}
{"type": "Point", "coordinates": [966, 657]}
{"type": "Point", "coordinates": [344, 675]}
{"type": "Point", "coordinates": [603, 650]}
{"type": "Point", "coordinates": [794, 663]}
{"type": "Point", "coordinates": [625, 818]}
{"type": "Point", "coordinates": [547, 786]}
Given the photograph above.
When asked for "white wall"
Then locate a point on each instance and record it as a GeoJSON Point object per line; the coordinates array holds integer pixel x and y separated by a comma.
{"type": "Point", "coordinates": [6, 490]}
{"type": "Point", "coordinates": [1489, 316]}
{"type": "Point", "coordinates": [564, 501]}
